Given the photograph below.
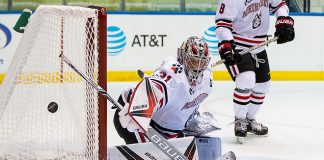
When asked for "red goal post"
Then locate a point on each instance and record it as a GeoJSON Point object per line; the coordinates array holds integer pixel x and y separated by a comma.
{"type": "Point", "coordinates": [47, 110]}
{"type": "Point", "coordinates": [102, 81]}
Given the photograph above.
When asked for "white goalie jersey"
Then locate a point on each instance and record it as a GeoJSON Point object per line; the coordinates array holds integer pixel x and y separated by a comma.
{"type": "Point", "coordinates": [180, 99]}
{"type": "Point", "coordinates": [246, 21]}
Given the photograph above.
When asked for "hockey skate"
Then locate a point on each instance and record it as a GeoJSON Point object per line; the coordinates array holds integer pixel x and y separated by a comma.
{"type": "Point", "coordinates": [256, 128]}
{"type": "Point", "coordinates": [240, 129]}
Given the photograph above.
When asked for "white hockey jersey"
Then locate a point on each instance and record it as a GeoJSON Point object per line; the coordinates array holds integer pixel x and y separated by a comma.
{"type": "Point", "coordinates": [180, 99]}
{"type": "Point", "coordinates": [246, 21]}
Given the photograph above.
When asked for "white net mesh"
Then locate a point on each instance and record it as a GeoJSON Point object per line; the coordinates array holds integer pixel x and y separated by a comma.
{"type": "Point", "coordinates": [37, 77]}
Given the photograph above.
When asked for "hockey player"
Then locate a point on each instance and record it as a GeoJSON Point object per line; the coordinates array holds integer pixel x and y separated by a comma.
{"type": "Point", "coordinates": [185, 81]}
{"type": "Point", "coordinates": [241, 24]}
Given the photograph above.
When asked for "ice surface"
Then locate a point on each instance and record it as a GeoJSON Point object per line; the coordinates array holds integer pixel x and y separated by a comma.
{"type": "Point", "coordinates": [293, 112]}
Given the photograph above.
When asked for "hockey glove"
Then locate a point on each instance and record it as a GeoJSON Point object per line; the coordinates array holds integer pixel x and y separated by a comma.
{"type": "Point", "coordinates": [285, 29]}
{"type": "Point", "coordinates": [200, 124]}
{"type": "Point", "coordinates": [226, 51]}
{"type": "Point", "coordinates": [126, 121]}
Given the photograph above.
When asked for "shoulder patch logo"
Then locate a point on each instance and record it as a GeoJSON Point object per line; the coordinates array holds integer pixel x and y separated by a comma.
{"type": "Point", "coordinates": [177, 68]}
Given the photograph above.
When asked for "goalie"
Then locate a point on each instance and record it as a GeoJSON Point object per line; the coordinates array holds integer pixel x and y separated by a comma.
{"type": "Point", "coordinates": [183, 81]}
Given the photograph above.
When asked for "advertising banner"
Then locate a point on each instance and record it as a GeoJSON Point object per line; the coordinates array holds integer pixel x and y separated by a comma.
{"type": "Point", "coordinates": [143, 41]}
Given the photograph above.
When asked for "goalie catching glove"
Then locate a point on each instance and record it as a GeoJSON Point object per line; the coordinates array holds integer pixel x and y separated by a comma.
{"type": "Point", "coordinates": [227, 52]}
{"type": "Point", "coordinates": [285, 29]}
{"type": "Point", "coordinates": [201, 124]}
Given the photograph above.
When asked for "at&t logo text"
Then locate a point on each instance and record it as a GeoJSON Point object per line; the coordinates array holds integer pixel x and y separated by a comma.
{"type": "Point", "coordinates": [145, 40]}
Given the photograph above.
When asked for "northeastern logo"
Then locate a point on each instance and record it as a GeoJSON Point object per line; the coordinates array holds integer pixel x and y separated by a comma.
{"type": "Point", "coordinates": [195, 102]}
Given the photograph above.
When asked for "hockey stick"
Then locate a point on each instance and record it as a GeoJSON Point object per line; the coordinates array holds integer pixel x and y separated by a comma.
{"type": "Point", "coordinates": [159, 141]}
{"type": "Point", "coordinates": [247, 50]}
{"type": "Point", "coordinates": [141, 73]}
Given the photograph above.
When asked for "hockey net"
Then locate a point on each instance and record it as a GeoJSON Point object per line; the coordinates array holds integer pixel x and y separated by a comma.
{"type": "Point", "coordinates": [38, 82]}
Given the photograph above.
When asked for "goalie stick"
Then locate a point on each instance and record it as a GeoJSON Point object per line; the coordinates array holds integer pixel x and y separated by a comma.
{"type": "Point", "coordinates": [247, 50]}
{"type": "Point", "coordinates": [141, 73]}
{"type": "Point", "coordinates": [159, 141]}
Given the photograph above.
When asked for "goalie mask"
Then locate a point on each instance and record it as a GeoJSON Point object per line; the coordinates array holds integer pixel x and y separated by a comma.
{"type": "Point", "coordinates": [194, 56]}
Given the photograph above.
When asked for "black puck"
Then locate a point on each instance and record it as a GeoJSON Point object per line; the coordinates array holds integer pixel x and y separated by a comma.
{"type": "Point", "coordinates": [52, 107]}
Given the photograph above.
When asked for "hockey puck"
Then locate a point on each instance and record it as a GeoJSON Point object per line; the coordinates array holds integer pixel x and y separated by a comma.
{"type": "Point", "coordinates": [52, 107]}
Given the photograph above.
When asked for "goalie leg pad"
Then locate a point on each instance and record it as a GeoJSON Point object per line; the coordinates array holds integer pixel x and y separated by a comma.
{"type": "Point", "coordinates": [209, 147]}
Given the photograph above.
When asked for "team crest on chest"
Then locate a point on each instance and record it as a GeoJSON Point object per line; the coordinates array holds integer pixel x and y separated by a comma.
{"type": "Point", "coordinates": [257, 20]}
{"type": "Point", "coordinates": [254, 7]}
{"type": "Point", "coordinates": [195, 102]}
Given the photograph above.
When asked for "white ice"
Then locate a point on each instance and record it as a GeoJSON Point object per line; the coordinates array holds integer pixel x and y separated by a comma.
{"type": "Point", "coordinates": [292, 111]}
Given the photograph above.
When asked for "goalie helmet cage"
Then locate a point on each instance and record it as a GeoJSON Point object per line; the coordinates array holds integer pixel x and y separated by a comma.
{"type": "Point", "coordinates": [47, 111]}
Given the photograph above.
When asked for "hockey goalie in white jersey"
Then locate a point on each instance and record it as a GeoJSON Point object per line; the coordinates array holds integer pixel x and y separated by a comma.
{"type": "Point", "coordinates": [241, 24]}
{"type": "Point", "coordinates": [184, 81]}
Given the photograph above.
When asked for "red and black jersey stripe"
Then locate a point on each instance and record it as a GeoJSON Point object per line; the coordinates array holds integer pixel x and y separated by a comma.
{"type": "Point", "coordinates": [243, 41]}
{"type": "Point", "coordinates": [224, 23]}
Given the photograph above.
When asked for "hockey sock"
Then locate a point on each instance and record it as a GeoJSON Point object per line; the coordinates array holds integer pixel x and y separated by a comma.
{"type": "Point", "coordinates": [241, 100]}
{"type": "Point", "coordinates": [255, 104]}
